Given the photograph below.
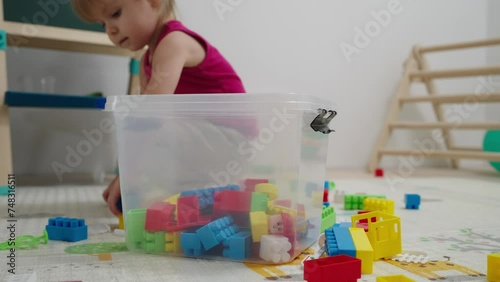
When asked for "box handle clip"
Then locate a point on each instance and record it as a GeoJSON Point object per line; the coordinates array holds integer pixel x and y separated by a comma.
{"type": "Point", "coordinates": [321, 121]}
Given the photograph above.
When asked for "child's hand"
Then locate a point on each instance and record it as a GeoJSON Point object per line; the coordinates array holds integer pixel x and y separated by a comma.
{"type": "Point", "coordinates": [112, 195]}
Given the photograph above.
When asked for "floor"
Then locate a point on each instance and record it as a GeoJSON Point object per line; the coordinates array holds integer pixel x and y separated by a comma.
{"type": "Point", "coordinates": [454, 229]}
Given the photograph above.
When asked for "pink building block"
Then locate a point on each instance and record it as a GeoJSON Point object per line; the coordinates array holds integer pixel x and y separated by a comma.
{"type": "Point", "coordinates": [232, 201]}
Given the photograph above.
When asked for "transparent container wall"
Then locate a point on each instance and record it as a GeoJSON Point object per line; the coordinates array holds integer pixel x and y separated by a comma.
{"type": "Point", "coordinates": [164, 156]}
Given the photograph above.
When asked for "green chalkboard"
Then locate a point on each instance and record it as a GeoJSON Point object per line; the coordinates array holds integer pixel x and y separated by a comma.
{"type": "Point", "coordinates": [45, 12]}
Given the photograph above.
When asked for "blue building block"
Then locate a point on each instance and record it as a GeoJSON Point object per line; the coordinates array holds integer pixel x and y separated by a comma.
{"type": "Point", "coordinates": [67, 229]}
{"type": "Point", "coordinates": [345, 242]}
{"type": "Point", "coordinates": [238, 246]}
{"type": "Point", "coordinates": [343, 224]}
{"type": "Point", "coordinates": [3, 40]}
{"type": "Point", "coordinates": [206, 196]}
{"type": "Point", "coordinates": [191, 244]}
{"type": "Point", "coordinates": [412, 201]}
{"type": "Point", "coordinates": [331, 244]}
{"type": "Point", "coordinates": [217, 231]}
{"type": "Point", "coordinates": [338, 241]}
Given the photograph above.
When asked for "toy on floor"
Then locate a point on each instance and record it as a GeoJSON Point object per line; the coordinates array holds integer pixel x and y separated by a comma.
{"type": "Point", "coordinates": [412, 201]}
{"type": "Point", "coordinates": [25, 242]}
{"type": "Point", "coordinates": [379, 172]}
{"type": "Point", "coordinates": [67, 229]}
{"type": "Point", "coordinates": [493, 274]}
{"type": "Point", "coordinates": [394, 278]}
{"type": "Point", "coordinates": [340, 268]}
{"type": "Point", "coordinates": [491, 143]}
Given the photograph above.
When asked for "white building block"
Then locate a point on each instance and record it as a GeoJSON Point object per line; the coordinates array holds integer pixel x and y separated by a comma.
{"type": "Point", "coordinates": [274, 248]}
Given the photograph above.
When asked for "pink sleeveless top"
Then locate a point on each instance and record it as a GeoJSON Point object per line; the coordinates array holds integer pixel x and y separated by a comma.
{"type": "Point", "coordinates": [213, 75]}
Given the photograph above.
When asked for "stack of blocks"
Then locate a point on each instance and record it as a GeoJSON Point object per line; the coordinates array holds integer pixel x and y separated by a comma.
{"type": "Point", "coordinates": [355, 202]}
{"type": "Point", "coordinates": [352, 242]}
{"type": "Point", "coordinates": [222, 220]}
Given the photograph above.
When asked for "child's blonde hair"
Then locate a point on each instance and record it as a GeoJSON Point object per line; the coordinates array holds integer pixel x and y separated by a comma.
{"type": "Point", "coordinates": [86, 8]}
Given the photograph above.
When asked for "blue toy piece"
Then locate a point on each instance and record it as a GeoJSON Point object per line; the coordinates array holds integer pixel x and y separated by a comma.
{"type": "Point", "coordinates": [338, 241]}
{"type": "Point", "coordinates": [67, 229]}
{"type": "Point", "coordinates": [238, 246]}
{"type": "Point", "coordinates": [331, 244]}
{"type": "Point", "coordinates": [491, 143]}
{"type": "Point", "coordinates": [206, 196]}
{"type": "Point", "coordinates": [412, 201]}
{"type": "Point", "coordinates": [217, 231]}
{"type": "Point", "coordinates": [191, 244]}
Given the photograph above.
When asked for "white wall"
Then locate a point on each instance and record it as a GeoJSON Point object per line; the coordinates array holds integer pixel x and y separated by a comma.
{"type": "Point", "coordinates": [295, 46]}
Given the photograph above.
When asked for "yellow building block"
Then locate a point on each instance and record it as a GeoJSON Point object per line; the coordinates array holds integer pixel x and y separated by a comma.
{"type": "Point", "coordinates": [274, 209]}
{"type": "Point", "coordinates": [258, 224]}
{"type": "Point", "coordinates": [173, 199]}
{"type": "Point", "coordinates": [364, 250]}
{"type": "Point", "coordinates": [394, 278]}
{"type": "Point", "coordinates": [267, 188]}
{"type": "Point", "coordinates": [493, 273]}
{"type": "Point", "coordinates": [317, 198]}
{"type": "Point", "coordinates": [384, 234]}
{"type": "Point", "coordinates": [121, 225]}
{"type": "Point", "coordinates": [173, 242]}
{"type": "Point", "coordinates": [375, 204]}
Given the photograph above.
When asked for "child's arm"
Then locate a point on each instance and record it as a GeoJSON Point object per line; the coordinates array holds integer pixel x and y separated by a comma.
{"type": "Point", "coordinates": [176, 51]}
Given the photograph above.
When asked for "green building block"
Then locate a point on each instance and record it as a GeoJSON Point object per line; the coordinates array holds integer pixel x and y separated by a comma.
{"type": "Point", "coordinates": [154, 242]}
{"type": "Point", "coordinates": [328, 218]}
{"type": "Point", "coordinates": [259, 202]}
{"type": "Point", "coordinates": [355, 202]}
{"type": "Point", "coordinates": [135, 220]}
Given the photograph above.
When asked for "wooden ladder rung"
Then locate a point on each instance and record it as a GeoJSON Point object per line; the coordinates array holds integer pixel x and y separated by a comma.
{"type": "Point", "coordinates": [445, 125]}
{"type": "Point", "coordinates": [475, 149]}
{"type": "Point", "coordinates": [455, 73]}
{"type": "Point", "coordinates": [460, 98]}
{"type": "Point", "coordinates": [461, 45]}
{"type": "Point", "coordinates": [444, 154]}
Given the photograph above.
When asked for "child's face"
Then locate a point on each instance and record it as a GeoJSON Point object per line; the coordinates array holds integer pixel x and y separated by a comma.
{"type": "Point", "coordinates": [130, 24]}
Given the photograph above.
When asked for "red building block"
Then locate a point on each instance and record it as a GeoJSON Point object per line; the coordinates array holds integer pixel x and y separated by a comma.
{"type": "Point", "coordinates": [340, 268]}
{"type": "Point", "coordinates": [159, 216]}
{"type": "Point", "coordinates": [250, 183]}
{"type": "Point", "coordinates": [379, 172]}
{"type": "Point", "coordinates": [188, 210]}
{"type": "Point", "coordinates": [232, 201]}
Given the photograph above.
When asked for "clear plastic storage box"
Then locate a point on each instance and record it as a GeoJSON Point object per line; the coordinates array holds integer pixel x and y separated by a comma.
{"type": "Point", "coordinates": [224, 176]}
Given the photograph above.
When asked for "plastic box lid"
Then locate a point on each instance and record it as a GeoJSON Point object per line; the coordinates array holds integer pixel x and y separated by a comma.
{"type": "Point", "coordinates": [216, 103]}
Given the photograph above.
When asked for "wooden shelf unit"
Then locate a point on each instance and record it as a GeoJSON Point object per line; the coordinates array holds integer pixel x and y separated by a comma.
{"type": "Point", "coordinates": [53, 38]}
{"type": "Point", "coordinates": [416, 69]}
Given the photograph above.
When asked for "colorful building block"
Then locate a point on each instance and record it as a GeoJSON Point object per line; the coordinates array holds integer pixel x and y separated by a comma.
{"type": "Point", "coordinates": [270, 189]}
{"type": "Point", "coordinates": [355, 202]}
{"type": "Point", "coordinates": [173, 242]}
{"type": "Point", "coordinates": [275, 248]}
{"type": "Point", "coordinates": [258, 225]}
{"type": "Point", "coordinates": [327, 218]}
{"type": "Point", "coordinates": [191, 244]}
{"type": "Point", "coordinates": [493, 272]}
{"type": "Point", "coordinates": [135, 220]}
{"type": "Point", "coordinates": [206, 195]}
{"type": "Point", "coordinates": [259, 202]}
{"type": "Point", "coordinates": [340, 268]}
{"type": "Point", "coordinates": [238, 246]}
{"type": "Point", "coordinates": [379, 172]}
{"type": "Point", "coordinates": [250, 183]}
{"type": "Point", "coordinates": [376, 204]}
{"type": "Point", "coordinates": [154, 242]}
{"type": "Point", "coordinates": [232, 201]}
{"type": "Point", "coordinates": [338, 241]}
{"type": "Point", "coordinates": [66, 229]}
{"type": "Point", "coordinates": [159, 216]}
{"type": "Point", "coordinates": [364, 250]}
{"type": "Point", "coordinates": [384, 234]}
{"type": "Point", "coordinates": [412, 201]}
{"type": "Point", "coordinates": [394, 278]}
{"type": "Point", "coordinates": [216, 232]}
{"type": "Point", "coordinates": [121, 224]}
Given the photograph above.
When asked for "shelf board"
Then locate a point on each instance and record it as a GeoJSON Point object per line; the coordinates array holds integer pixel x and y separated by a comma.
{"type": "Point", "coordinates": [48, 37]}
